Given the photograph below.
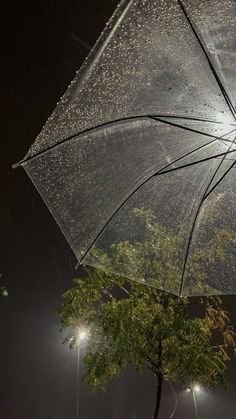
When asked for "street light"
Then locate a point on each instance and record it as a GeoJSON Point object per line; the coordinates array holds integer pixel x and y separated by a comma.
{"type": "Point", "coordinates": [82, 337]}
{"type": "Point", "coordinates": [196, 388]}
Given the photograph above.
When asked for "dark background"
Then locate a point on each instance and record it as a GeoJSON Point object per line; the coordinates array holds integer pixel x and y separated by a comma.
{"type": "Point", "coordinates": [43, 43]}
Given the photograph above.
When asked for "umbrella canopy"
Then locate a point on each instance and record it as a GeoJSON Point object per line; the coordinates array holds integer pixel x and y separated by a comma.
{"type": "Point", "coordinates": [137, 161]}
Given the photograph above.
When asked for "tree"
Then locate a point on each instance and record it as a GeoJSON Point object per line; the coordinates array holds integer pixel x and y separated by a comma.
{"type": "Point", "coordinates": [135, 323]}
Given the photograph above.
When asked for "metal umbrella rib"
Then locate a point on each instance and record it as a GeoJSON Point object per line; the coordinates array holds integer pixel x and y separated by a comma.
{"type": "Point", "coordinates": [207, 192]}
{"type": "Point", "coordinates": [148, 123]}
{"type": "Point", "coordinates": [218, 80]}
{"type": "Point", "coordinates": [158, 173]}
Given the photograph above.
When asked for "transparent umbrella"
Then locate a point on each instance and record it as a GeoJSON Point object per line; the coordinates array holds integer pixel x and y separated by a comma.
{"type": "Point", "coordinates": [149, 124]}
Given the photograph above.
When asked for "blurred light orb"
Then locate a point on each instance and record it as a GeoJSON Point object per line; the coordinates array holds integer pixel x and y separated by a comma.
{"type": "Point", "coordinates": [82, 335]}
{"type": "Point", "coordinates": [196, 388]}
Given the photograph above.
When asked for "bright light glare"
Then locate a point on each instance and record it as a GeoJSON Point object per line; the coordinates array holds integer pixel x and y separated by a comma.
{"type": "Point", "coordinates": [188, 389]}
{"type": "Point", "coordinates": [196, 388]}
{"type": "Point", "coordinates": [82, 335]}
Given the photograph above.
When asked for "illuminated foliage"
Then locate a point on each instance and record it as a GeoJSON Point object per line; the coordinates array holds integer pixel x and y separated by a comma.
{"type": "Point", "coordinates": [134, 323]}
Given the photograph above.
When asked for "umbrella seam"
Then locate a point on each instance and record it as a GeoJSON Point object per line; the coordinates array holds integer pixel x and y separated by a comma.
{"type": "Point", "coordinates": [196, 162]}
{"type": "Point", "coordinates": [219, 181]}
{"type": "Point", "coordinates": [205, 195]}
{"type": "Point", "coordinates": [218, 80]}
{"type": "Point", "coordinates": [152, 117]}
{"type": "Point", "coordinates": [131, 194]}
{"type": "Point", "coordinates": [187, 128]}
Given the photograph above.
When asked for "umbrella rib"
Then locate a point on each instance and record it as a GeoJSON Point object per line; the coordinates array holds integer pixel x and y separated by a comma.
{"type": "Point", "coordinates": [133, 192]}
{"type": "Point", "coordinates": [196, 162]}
{"type": "Point", "coordinates": [205, 195]}
{"type": "Point", "coordinates": [105, 124]}
{"type": "Point", "coordinates": [188, 129]}
{"type": "Point", "coordinates": [224, 154]}
{"type": "Point", "coordinates": [209, 191]}
{"type": "Point", "coordinates": [218, 80]}
{"type": "Point", "coordinates": [219, 181]}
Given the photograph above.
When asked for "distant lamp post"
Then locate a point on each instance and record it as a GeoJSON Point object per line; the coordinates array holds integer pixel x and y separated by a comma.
{"type": "Point", "coordinates": [83, 335]}
{"type": "Point", "coordinates": [196, 388]}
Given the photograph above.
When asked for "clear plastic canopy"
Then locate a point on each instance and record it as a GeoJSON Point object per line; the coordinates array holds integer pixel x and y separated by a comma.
{"type": "Point", "coordinates": [137, 162]}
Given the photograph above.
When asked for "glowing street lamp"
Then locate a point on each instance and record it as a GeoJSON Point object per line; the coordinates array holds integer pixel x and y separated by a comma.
{"type": "Point", "coordinates": [82, 337]}
{"type": "Point", "coordinates": [196, 388]}
{"type": "Point", "coordinates": [83, 334]}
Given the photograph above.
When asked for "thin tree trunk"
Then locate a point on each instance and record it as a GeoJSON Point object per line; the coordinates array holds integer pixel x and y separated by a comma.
{"type": "Point", "coordinates": [158, 394]}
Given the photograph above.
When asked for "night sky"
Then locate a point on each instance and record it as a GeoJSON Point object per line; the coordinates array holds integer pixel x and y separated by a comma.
{"type": "Point", "coordinates": [43, 43]}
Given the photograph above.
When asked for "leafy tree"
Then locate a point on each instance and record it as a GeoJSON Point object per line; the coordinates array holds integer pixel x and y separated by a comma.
{"type": "Point", "coordinates": [135, 323]}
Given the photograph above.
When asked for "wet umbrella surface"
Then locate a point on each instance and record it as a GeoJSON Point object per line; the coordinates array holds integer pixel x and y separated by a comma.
{"type": "Point", "coordinates": [148, 125]}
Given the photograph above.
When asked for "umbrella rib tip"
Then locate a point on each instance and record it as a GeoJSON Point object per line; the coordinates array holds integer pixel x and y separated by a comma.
{"type": "Point", "coordinates": [16, 165]}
